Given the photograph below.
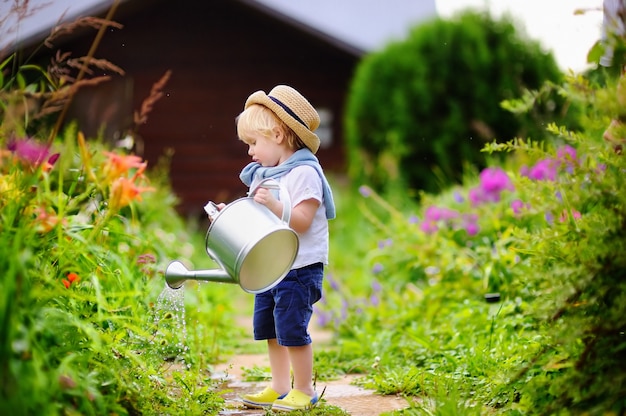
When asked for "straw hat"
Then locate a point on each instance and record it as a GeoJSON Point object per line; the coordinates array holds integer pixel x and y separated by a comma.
{"type": "Point", "coordinates": [293, 109]}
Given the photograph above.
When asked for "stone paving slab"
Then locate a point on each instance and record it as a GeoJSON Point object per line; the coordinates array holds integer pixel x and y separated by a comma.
{"type": "Point", "coordinates": [342, 393]}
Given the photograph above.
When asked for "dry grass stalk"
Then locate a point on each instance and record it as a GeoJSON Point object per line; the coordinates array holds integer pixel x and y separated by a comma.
{"type": "Point", "coordinates": [69, 28]}
{"type": "Point", "coordinates": [147, 105]}
{"type": "Point", "coordinates": [61, 65]}
{"type": "Point", "coordinates": [56, 100]}
{"type": "Point", "coordinates": [40, 104]}
{"type": "Point", "coordinates": [57, 70]}
{"type": "Point", "coordinates": [85, 63]}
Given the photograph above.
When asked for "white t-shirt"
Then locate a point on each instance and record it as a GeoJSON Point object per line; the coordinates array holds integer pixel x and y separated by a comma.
{"type": "Point", "coordinates": [303, 183]}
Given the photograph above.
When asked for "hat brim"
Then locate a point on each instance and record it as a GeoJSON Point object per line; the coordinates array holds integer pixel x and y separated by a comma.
{"type": "Point", "coordinates": [309, 138]}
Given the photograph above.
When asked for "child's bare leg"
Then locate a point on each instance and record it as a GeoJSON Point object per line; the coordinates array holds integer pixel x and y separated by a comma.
{"type": "Point", "coordinates": [302, 364]}
{"type": "Point", "coordinates": [279, 365]}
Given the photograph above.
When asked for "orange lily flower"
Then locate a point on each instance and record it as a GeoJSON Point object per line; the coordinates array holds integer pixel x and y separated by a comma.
{"type": "Point", "coordinates": [119, 165]}
{"type": "Point", "coordinates": [124, 191]}
{"type": "Point", "coordinates": [85, 156]}
{"type": "Point", "coordinates": [45, 221]}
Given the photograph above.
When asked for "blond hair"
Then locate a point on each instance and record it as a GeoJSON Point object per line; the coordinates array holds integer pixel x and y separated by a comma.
{"type": "Point", "coordinates": [260, 119]}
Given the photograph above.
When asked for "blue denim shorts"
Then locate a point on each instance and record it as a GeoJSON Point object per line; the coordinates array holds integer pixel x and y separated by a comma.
{"type": "Point", "coordinates": [284, 311]}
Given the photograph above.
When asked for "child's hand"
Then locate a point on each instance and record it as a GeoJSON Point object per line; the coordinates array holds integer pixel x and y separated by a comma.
{"type": "Point", "coordinates": [212, 209]}
{"type": "Point", "coordinates": [265, 197]}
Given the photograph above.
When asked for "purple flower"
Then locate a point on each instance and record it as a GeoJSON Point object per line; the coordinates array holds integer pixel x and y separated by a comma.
{"type": "Point", "coordinates": [429, 227]}
{"type": "Point", "coordinates": [494, 181]}
{"type": "Point", "coordinates": [458, 197]}
{"type": "Point", "coordinates": [385, 243]}
{"type": "Point", "coordinates": [332, 282]}
{"type": "Point", "coordinates": [414, 219]}
{"type": "Point", "coordinates": [53, 159]}
{"type": "Point", "coordinates": [517, 206]}
{"type": "Point", "coordinates": [566, 152]}
{"type": "Point", "coordinates": [472, 228]}
{"type": "Point", "coordinates": [344, 309]}
{"type": "Point", "coordinates": [374, 300]}
{"type": "Point", "coordinates": [476, 196]}
{"type": "Point", "coordinates": [470, 224]}
{"type": "Point", "coordinates": [434, 213]}
{"type": "Point", "coordinates": [377, 268]}
{"type": "Point", "coordinates": [559, 196]}
{"type": "Point", "coordinates": [544, 170]}
{"type": "Point", "coordinates": [470, 217]}
{"type": "Point", "coordinates": [323, 318]}
{"type": "Point", "coordinates": [376, 287]}
{"type": "Point", "coordinates": [567, 156]}
{"type": "Point", "coordinates": [31, 152]}
{"type": "Point", "coordinates": [365, 191]}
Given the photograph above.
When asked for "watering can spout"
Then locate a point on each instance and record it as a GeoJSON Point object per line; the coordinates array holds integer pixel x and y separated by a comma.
{"type": "Point", "coordinates": [252, 246]}
{"type": "Point", "coordinates": [177, 274]}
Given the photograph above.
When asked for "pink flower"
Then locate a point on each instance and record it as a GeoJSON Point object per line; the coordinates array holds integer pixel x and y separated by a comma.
{"type": "Point", "coordinates": [429, 227]}
{"type": "Point", "coordinates": [544, 170]}
{"type": "Point", "coordinates": [33, 153]}
{"type": "Point", "coordinates": [575, 215]}
{"type": "Point", "coordinates": [495, 180]}
{"type": "Point", "coordinates": [566, 155]}
{"type": "Point", "coordinates": [434, 213]}
{"type": "Point", "coordinates": [472, 228]}
{"type": "Point", "coordinates": [518, 206]}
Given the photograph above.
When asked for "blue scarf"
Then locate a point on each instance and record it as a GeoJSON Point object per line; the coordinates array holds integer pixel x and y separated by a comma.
{"type": "Point", "coordinates": [303, 156]}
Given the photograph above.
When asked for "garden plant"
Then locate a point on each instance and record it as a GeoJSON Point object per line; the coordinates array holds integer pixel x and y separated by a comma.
{"type": "Point", "coordinates": [504, 294]}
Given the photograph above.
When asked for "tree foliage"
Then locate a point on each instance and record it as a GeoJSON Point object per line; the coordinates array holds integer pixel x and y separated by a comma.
{"type": "Point", "coordinates": [422, 107]}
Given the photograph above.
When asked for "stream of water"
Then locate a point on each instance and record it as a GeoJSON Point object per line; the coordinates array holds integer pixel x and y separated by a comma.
{"type": "Point", "coordinates": [171, 329]}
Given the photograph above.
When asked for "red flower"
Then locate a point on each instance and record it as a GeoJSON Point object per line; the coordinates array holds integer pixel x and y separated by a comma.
{"type": "Point", "coordinates": [71, 278]}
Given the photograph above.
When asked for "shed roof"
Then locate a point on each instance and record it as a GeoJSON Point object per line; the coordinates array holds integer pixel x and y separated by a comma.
{"type": "Point", "coordinates": [355, 26]}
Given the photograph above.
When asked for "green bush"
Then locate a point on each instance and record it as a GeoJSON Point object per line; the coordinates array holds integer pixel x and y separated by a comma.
{"type": "Point", "coordinates": [422, 108]}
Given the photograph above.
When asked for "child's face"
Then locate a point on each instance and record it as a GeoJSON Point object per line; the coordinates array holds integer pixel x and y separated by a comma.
{"type": "Point", "coordinates": [264, 150]}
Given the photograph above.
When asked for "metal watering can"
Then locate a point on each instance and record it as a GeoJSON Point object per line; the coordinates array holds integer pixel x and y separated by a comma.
{"type": "Point", "coordinates": [253, 247]}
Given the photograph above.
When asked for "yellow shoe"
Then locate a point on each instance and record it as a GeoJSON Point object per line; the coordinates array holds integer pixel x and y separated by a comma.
{"type": "Point", "coordinates": [261, 400]}
{"type": "Point", "coordinates": [295, 400]}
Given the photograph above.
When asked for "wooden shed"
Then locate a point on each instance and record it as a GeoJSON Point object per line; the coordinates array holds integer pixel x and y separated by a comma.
{"type": "Point", "coordinates": [218, 52]}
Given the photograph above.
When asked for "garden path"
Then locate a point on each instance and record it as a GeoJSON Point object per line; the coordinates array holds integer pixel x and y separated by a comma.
{"type": "Point", "coordinates": [342, 393]}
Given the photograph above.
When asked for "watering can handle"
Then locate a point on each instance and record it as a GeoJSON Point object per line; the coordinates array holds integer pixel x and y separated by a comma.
{"type": "Point", "coordinates": [271, 183]}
